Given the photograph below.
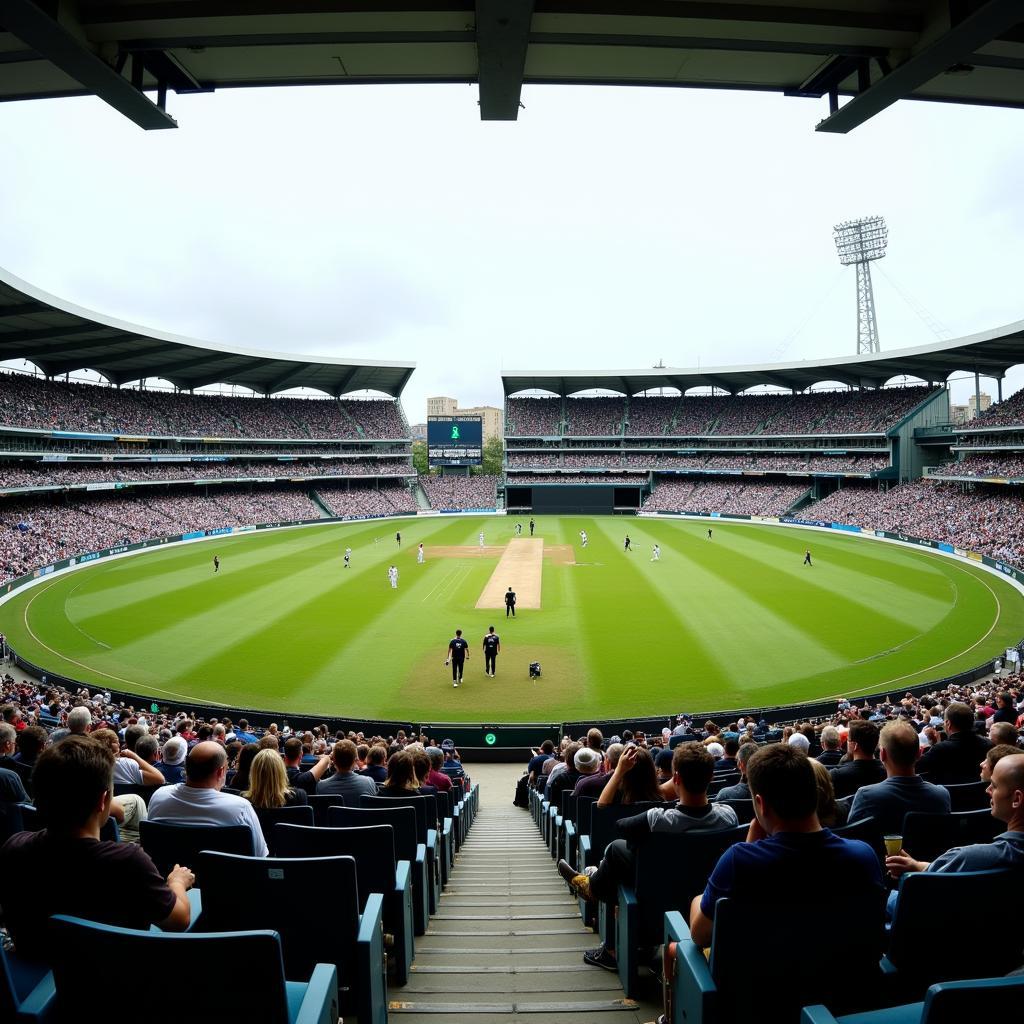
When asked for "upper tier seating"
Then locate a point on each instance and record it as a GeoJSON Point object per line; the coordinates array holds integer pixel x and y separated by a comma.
{"type": "Point", "coordinates": [33, 402]}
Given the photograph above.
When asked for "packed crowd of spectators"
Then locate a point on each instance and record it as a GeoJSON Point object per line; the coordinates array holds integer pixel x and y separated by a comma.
{"type": "Point", "coordinates": [1009, 412]}
{"type": "Point", "coordinates": [651, 416]}
{"type": "Point", "coordinates": [732, 496]}
{"type": "Point", "coordinates": [386, 500]}
{"type": "Point", "coordinates": [49, 474]}
{"type": "Point", "coordinates": [27, 401]}
{"type": "Point", "coordinates": [526, 479]}
{"type": "Point", "coordinates": [594, 417]}
{"type": "Point", "coordinates": [986, 519]}
{"type": "Point", "coordinates": [819, 412]}
{"type": "Point", "coordinates": [533, 417]}
{"type": "Point", "coordinates": [461, 492]}
{"type": "Point", "coordinates": [998, 464]}
{"type": "Point", "coordinates": [758, 462]}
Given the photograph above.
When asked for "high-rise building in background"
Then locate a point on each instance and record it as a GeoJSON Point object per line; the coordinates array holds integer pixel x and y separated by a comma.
{"type": "Point", "coordinates": [493, 420]}
{"type": "Point", "coordinates": [977, 404]}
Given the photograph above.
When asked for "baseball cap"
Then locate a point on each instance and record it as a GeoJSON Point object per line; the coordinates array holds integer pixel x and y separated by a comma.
{"type": "Point", "coordinates": [447, 744]}
{"type": "Point", "coordinates": [587, 760]}
{"type": "Point", "coordinates": [664, 760]}
{"type": "Point", "coordinates": [800, 741]}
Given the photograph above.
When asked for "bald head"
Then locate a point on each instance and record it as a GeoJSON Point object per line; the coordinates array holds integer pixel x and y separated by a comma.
{"type": "Point", "coordinates": [205, 766]}
{"type": "Point", "coordinates": [1006, 791]}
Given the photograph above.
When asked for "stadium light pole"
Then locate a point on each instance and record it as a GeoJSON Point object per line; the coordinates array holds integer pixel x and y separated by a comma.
{"type": "Point", "coordinates": [860, 242]}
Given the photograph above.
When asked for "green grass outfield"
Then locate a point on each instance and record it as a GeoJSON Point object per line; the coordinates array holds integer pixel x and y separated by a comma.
{"type": "Point", "coordinates": [737, 621]}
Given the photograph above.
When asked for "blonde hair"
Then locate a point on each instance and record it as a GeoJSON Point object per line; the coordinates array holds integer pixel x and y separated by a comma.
{"type": "Point", "coordinates": [268, 780]}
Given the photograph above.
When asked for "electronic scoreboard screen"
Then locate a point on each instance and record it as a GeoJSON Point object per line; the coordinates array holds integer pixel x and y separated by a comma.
{"type": "Point", "coordinates": [455, 440]}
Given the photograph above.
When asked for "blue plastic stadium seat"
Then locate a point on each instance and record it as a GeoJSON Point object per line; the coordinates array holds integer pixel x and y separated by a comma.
{"type": "Point", "coordinates": [377, 870]}
{"type": "Point", "coordinates": [670, 871]}
{"type": "Point", "coordinates": [169, 843]}
{"type": "Point", "coordinates": [953, 927]}
{"type": "Point", "coordinates": [241, 893]}
{"type": "Point", "coordinates": [795, 968]}
{"type": "Point", "coordinates": [244, 961]}
{"type": "Point", "coordinates": [27, 990]}
{"type": "Point", "coordinates": [997, 999]}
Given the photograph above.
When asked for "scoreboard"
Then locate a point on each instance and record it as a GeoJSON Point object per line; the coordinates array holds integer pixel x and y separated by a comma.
{"type": "Point", "coordinates": [455, 440]}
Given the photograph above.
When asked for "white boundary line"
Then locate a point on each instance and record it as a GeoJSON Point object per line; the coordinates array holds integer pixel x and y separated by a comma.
{"type": "Point", "coordinates": [961, 560]}
{"type": "Point", "coordinates": [50, 578]}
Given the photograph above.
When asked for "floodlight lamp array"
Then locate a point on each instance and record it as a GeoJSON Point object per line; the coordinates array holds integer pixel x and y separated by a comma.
{"type": "Point", "coordinates": [858, 241]}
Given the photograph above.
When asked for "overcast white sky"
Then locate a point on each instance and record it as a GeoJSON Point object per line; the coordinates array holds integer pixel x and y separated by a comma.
{"type": "Point", "coordinates": [607, 228]}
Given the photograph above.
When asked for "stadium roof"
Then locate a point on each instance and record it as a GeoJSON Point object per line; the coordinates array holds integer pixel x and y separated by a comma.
{"type": "Point", "coordinates": [61, 338]}
{"type": "Point", "coordinates": [874, 51]}
{"type": "Point", "coordinates": [990, 353]}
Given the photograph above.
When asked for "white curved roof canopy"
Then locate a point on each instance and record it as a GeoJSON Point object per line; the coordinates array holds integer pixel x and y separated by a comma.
{"type": "Point", "coordinates": [60, 337]}
{"type": "Point", "coordinates": [990, 353]}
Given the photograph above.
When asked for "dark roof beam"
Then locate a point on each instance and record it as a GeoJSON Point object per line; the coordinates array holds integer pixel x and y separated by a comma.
{"type": "Point", "coordinates": [293, 378]}
{"type": "Point", "coordinates": [952, 47]}
{"type": "Point", "coordinates": [62, 42]}
{"type": "Point", "coordinates": [22, 309]}
{"type": "Point", "coordinates": [502, 38]}
{"type": "Point", "coordinates": [27, 338]}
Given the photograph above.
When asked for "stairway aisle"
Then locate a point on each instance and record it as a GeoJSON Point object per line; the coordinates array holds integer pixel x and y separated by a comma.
{"type": "Point", "coordinates": [507, 939]}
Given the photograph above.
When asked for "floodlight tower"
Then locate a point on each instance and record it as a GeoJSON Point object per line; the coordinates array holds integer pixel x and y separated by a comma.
{"type": "Point", "coordinates": [860, 242]}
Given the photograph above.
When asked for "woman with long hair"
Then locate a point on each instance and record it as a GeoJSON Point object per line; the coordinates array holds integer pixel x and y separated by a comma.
{"type": "Point", "coordinates": [633, 781]}
{"type": "Point", "coordinates": [268, 783]}
{"type": "Point", "coordinates": [401, 780]}
{"type": "Point", "coordinates": [239, 779]}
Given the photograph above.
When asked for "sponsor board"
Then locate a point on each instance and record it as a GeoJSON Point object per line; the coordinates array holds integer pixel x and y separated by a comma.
{"type": "Point", "coordinates": [220, 531]}
{"type": "Point", "coordinates": [846, 527]}
{"type": "Point", "coordinates": [194, 535]}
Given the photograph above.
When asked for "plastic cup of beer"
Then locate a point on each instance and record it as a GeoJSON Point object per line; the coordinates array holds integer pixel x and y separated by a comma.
{"type": "Point", "coordinates": [893, 844]}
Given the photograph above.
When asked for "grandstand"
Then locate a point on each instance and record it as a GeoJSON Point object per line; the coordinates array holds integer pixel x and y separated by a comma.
{"type": "Point", "coordinates": [681, 452]}
{"type": "Point", "coordinates": [256, 457]}
{"type": "Point", "coordinates": [89, 469]}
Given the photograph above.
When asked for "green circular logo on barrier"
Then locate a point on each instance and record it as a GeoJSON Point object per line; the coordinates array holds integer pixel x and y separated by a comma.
{"type": "Point", "coordinates": [490, 739]}
{"type": "Point", "coordinates": [155, 708]}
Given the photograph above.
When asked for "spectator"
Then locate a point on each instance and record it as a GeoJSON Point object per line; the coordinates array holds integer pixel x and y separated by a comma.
{"type": "Point", "coordinates": [693, 767]}
{"type": "Point", "coordinates": [1006, 851]}
{"type": "Point", "coordinates": [593, 785]}
{"type": "Point", "coordinates": [830, 754]}
{"type": "Point", "coordinates": [799, 742]}
{"type": "Point", "coordinates": [79, 721]}
{"type": "Point", "coordinates": [401, 780]}
{"type": "Point", "coordinates": [993, 757]}
{"type": "Point", "coordinates": [172, 762]}
{"type": "Point", "coordinates": [788, 851]}
{"type": "Point", "coordinates": [862, 769]}
{"type": "Point", "coordinates": [199, 800]}
{"type": "Point", "coordinates": [830, 814]}
{"type": "Point", "coordinates": [239, 778]}
{"type": "Point", "coordinates": [546, 751]}
{"type": "Point", "coordinates": [8, 745]}
{"type": "Point", "coordinates": [955, 759]}
{"type": "Point", "coordinates": [436, 777]}
{"type": "Point", "coordinates": [902, 791]}
{"type": "Point", "coordinates": [569, 775]}
{"type": "Point", "coordinates": [345, 782]}
{"type": "Point", "coordinates": [634, 780]}
{"type": "Point", "coordinates": [268, 783]}
{"type": "Point", "coordinates": [74, 786]}
{"type": "Point", "coordinates": [306, 779]}
{"type": "Point", "coordinates": [1001, 732]}
{"type": "Point", "coordinates": [727, 762]}
{"type": "Point", "coordinates": [741, 789]}
{"type": "Point", "coordinates": [129, 768]}
{"type": "Point", "coordinates": [375, 767]}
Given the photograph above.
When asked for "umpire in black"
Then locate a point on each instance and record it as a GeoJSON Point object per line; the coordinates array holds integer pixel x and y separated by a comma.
{"type": "Point", "coordinates": [510, 603]}
{"type": "Point", "coordinates": [492, 645]}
